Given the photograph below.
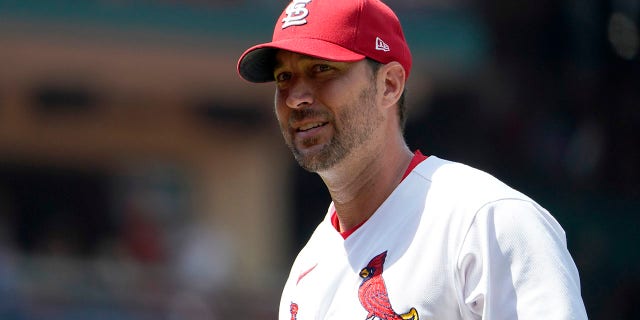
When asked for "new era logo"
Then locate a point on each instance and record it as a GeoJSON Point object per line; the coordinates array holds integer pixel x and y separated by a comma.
{"type": "Point", "coordinates": [381, 45]}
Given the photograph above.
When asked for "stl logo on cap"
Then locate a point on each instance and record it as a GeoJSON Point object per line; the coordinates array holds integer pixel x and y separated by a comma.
{"type": "Point", "coordinates": [296, 12]}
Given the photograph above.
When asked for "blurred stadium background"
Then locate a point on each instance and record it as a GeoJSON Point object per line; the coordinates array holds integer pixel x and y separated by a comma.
{"type": "Point", "coordinates": [140, 178]}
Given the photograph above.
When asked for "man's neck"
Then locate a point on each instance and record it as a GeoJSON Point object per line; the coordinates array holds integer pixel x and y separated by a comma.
{"type": "Point", "coordinates": [357, 190]}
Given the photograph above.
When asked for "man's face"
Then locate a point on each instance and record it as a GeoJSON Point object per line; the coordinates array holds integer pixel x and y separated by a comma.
{"type": "Point", "coordinates": [326, 109]}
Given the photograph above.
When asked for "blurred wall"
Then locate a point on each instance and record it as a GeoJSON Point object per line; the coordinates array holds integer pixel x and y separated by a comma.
{"type": "Point", "coordinates": [136, 151]}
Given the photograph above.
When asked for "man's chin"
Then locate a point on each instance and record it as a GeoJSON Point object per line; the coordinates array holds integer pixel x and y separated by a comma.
{"type": "Point", "coordinates": [311, 162]}
{"type": "Point", "coordinates": [318, 158]}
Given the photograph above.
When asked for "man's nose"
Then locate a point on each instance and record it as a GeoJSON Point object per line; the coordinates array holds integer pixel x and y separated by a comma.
{"type": "Point", "coordinates": [300, 94]}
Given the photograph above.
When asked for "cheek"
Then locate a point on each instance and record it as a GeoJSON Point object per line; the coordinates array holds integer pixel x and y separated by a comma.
{"type": "Point", "coordinates": [280, 109]}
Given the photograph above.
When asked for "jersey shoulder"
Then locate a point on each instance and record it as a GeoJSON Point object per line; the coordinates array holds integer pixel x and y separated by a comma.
{"type": "Point", "coordinates": [458, 182]}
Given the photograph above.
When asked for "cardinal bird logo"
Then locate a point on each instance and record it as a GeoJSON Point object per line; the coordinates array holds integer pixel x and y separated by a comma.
{"type": "Point", "coordinates": [294, 311]}
{"type": "Point", "coordinates": [373, 293]}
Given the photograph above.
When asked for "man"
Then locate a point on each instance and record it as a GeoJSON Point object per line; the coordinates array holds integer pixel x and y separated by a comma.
{"type": "Point", "coordinates": [406, 236]}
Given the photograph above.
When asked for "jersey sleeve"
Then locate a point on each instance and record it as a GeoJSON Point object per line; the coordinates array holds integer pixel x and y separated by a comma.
{"type": "Point", "coordinates": [514, 264]}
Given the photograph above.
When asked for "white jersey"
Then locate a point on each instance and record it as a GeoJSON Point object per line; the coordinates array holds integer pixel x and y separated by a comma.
{"type": "Point", "coordinates": [450, 242]}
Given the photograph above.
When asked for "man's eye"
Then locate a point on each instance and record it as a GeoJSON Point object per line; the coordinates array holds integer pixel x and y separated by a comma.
{"type": "Point", "coordinates": [321, 68]}
{"type": "Point", "coordinates": [283, 76]}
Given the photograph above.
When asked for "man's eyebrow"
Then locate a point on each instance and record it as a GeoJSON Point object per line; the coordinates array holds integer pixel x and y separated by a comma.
{"type": "Point", "coordinates": [279, 64]}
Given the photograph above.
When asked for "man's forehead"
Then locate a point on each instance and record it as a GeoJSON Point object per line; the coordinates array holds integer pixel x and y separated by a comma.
{"type": "Point", "coordinates": [284, 55]}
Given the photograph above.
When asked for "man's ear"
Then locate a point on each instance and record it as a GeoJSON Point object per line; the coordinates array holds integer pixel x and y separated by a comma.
{"type": "Point", "coordinates": [393, 75]}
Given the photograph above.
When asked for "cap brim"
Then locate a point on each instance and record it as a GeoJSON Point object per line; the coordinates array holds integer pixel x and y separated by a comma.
{"type": "Point", "coordinates": [257, 63]}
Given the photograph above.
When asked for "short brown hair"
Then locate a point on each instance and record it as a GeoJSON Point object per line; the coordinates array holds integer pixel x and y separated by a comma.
{"type": "Point", "coordinates": [402, 108]}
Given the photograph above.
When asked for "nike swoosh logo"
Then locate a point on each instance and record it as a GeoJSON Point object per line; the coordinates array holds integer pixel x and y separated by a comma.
{"type": "Point", "coordinates": [303, 274]}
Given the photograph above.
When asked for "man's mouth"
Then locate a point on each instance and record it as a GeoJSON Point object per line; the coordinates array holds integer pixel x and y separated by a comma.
{"type": "Point", "coordinates": [310, 126]}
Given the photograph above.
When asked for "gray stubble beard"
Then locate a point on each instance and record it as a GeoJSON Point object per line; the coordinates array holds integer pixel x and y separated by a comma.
{"type": "Point", "coordinates": [358, 129]}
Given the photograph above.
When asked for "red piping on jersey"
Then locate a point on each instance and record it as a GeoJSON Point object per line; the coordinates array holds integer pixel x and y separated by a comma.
{"type": "Point", "coordinates": [417, 158]}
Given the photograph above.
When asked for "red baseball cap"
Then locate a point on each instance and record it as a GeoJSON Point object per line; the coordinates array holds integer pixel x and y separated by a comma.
{"type": "Point", "coordinates": [344, 30]}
